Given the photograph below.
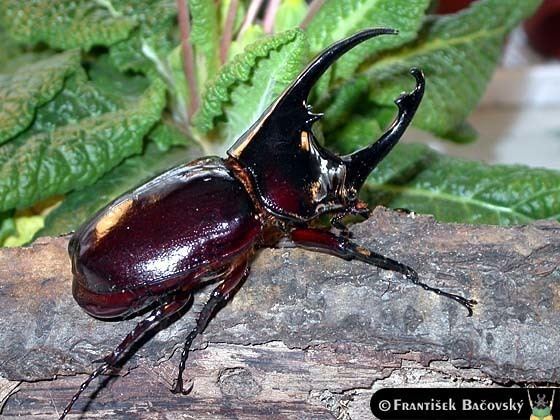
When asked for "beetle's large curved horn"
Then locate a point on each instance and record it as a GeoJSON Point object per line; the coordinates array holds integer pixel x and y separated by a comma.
{"type": "Point", "coordinates": [286, 118]}
{"type": "Point", "coordinates": [359, 164]}
{"type": "Point", "coordinates": [300, 88]}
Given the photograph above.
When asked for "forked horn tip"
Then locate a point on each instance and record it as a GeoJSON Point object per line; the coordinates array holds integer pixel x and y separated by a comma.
{"type": "Point", "coordinates": [418, 75]}
{"type": "Point", "coordinates": [413, 98]}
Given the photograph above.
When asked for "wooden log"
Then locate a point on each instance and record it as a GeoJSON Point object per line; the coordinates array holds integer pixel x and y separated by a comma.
{"type": "Point", "coordinates": [308, 335]}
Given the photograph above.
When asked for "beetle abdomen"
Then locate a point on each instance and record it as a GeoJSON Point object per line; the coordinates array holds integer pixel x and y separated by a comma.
{"type": "Point", "coordinates": [164, 235]}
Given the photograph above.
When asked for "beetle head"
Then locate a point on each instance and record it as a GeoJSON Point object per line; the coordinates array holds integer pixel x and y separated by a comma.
{"type": "Point", "coordinates": [296, 178]}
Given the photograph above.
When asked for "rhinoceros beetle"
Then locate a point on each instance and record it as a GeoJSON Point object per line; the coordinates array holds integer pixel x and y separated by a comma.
{"type": "Point", "coordinates": [541, 409]}
{"type": "Point", "coordinates": [204, 220]}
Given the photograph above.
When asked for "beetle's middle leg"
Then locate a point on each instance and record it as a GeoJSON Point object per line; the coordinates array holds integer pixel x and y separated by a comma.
{"type": "Point", "coordinates": [169, 308]}
{"type": "Point", "coordinates": [219, 295]}
{"type": "Point", "coordinates": [340, 246]}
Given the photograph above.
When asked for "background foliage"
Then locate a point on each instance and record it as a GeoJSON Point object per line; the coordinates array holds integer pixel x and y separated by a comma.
{"type": "Point", "coordinates": [94, 100]}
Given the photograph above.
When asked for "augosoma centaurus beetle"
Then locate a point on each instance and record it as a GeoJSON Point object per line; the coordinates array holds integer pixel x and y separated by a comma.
{"type": "Point", "coordinates": [205, 220]}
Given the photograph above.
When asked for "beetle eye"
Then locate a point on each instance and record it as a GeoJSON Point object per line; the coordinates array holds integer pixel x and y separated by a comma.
{"type": "Point", "coordinates": [352, 195]}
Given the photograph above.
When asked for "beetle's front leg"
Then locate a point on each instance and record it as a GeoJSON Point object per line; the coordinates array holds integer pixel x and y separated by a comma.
{"type": "Point", "coordinates": [360, 209]}
{"type": "Point", "coordinates": [337, 223]}
{"type": "Point", "coordinates": [340, 246]}
{"type": "Point", "coordinates": [219, 296]}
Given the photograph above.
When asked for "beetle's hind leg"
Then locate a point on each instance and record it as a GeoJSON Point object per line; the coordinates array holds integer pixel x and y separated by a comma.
{"type": "Point", "coordinates": [325, 241]}
{"type": "Point", "coordinates": [219, 296]}
{"type": "Point", "coordinates": [170, 307]}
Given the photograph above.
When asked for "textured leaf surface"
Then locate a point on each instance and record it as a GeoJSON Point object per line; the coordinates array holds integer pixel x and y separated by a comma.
{"type": "Point", "coordinates": [358, 132]}
{"type": "Point", "coordinates": [205, 37]}
{"type": "Point", "coordinates": [338, 19]}
{"type": "Point", "coordinates": [458, 54]}
{"type": "Point", "coordinates": [9, 48]}
{"type": "Point", "coordinates": [345, 101]}
{"type": "Point", "coordinates": [113, 83]}
{"type": "Point", "coordinates": [74, 150]}
{"type": "Point", "coordinates": [31, 86]}
{"type": "Point", "coordinates": [64, 24]}
{"type": "Point", "coordinates": [252, 34]}
{"type": "Point", "coordinates": [419, 179]}
{"type": "Point", "coordinates": [155, 21]}
{"type": "Point", "coordinates": [79, 206]}
{"type": "Point", "coordinates": [78, 100]}
{"type": "Point", "coordinates": [281, 55]}
{"type": "Point", "coordinates": [269, 79]}
{"type": "Point", "coordinates": [167, 135]}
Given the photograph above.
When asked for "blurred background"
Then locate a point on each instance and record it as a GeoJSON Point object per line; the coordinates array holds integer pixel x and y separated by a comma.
{"type": "Point", "coordinates": [518, 119]}
{"type": "Point", "coordinates": [179, 79]}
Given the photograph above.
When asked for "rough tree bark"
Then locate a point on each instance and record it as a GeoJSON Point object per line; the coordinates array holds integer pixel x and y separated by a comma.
{"type": "Point", "coordinates": [308, 336]}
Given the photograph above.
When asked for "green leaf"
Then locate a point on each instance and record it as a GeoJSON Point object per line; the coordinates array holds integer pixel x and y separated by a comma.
{"type": "Point", "coordinates": [359, 131]}
{"type": "Point", "coordinates": [290, 14]}
{"type": "Point", "coordinates": [113, 83]}
{"type": "Point", "coordinates": [7, 226]}
{"type": "Point", "coordinates": [269, 79]}
{"type": "Point", "coordinates": [9, 49]}
{"type": "Point", "coordinates": [32, 86]}
{"type": "Point", "coordinates": [79, 206]}
{"type": "Point", "coordinates": [338, 19]}
{"type": "Point", "coordinates": [463, 133]}
{"type": "Point", "coordinates": [78, 100]}
{"type": "Point", "coordinates": [251, 35]}
{"type": "Point", "coordinates": [177, 85]}
{"type": "Point", "coordinates": [75, 148]}
{"type": "Point", "coordinates": [458, 54]}
{"type": "Point", "coordinates": [152, 36]}
{"type": "Point", "coordinates": [250, 82]}
{"type": "Point", "coordinates": [205, 38]}
{"type": "Point", "coordinates": [25, 227]}
{"type": "Point", "coordinates": [64, 24]}
{"type": "Point", "coordinates": [345, 101]}
{"type": "Point", "coordinates": [166, 135]}
{"type": "Point", "coordinates": [454, 190]}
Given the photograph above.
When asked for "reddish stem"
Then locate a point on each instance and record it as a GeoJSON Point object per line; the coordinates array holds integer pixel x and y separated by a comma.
{"type": "Point", "coordinates": [251, 14]}
{"type": "Point", "coordinates": [188, 56]}
{"type": "Point", "coordinates": [313, 9]}
{"type": "Point", "coordinates": [228, 30]}
{"type": "Point", "coordinates": [269, 15]}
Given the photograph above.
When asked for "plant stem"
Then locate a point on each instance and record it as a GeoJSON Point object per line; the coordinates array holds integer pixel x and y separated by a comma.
{"type": "Point", "coordinates": [269, 15]}
{"type": "Point", "coordinates": [313, 9]}
{"type": "Point", "coordinates": [188, 56]}
{"type": "Point", "coordinates": [228, 30]}
{"type": "Point", "coordinates": [250, 16]}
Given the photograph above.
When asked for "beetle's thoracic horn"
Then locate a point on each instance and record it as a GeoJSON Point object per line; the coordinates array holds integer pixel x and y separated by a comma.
{"type": "Point", "coordinates": [290, 112]}
{"type": "Point", "coordinates": [300, 88]}
{"type": "Point", "coordinates": [359, 164]}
